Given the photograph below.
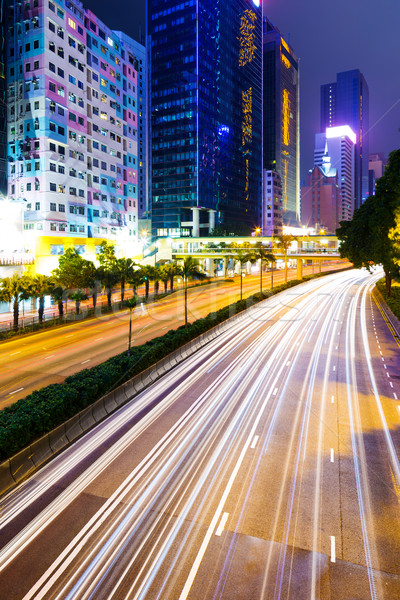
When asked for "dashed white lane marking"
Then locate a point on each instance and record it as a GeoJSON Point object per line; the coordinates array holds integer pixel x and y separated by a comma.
{"type": "Point", "coordinates": [67, 336]}
{"type": "Point", "coordinates": [254, 442]}
{"type": "Point", "coordinates": [222, 523]}
{"type": "Point", "coordinates": [395, 395]}
{"type": "Point", "coordinates": [51, 356]}
{"type": "Point", "coordinates": [15, 391]}
{"type": "Point", "coordinates": [85, 361]}
{"type": "Point", "coordinates": [98, 339]}
{"type": "Point", "coordinates": [288, 363]}
{"type": "Point", "coordinates": [334, 367]}
{"type": "Point", "coordinates": [274, 392]}
{"type": "Point", "coordinates": [391, 384]}
{"type": "Point", "coordinates": [333, 549]}
{"type": "Point", "coordinates": [387, 374]}
{"type": "Point", "coordinates": [383, 359]}
{"type": "Point", "coordinates": [14, 353]}
{"type": "Point", "coordinates": [385, 366]}
{"type": "Point", "coordinates": [332, 399]}
{"type": "Point", "coordinates": [332, 456]}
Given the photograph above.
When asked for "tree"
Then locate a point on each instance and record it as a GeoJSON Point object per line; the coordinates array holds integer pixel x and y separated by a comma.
{"type": "Point", "coordinates": [75, 273]}
{"type": "Point", "coordinates": [14, 289]}
{"type": "Point", "coordinates": [157, 278]}
{"type": "Point", "coordinates": [130, 303]}
{"type": "Point", "coordinates": [148, 273]}
{"type": "Point", "coordinates": [284, 242]}
{"type": "Point", "coordinates": [173, 270]}
{"type": "Point", "coordinates": [125, 268]}
{"type": "Point", "coordinates": [188, 269]}
{"type": "Point", "coordinates": [372, 236]}
{"type": "Point", "coordinates": [164, 276]}
{"type": "Point", "coordinates": [42, 286]}
{"type": "Point", "coordinates": [78, 296]}
{"type": "Point", "coordinates": [136, 279]}
{"type": "Point", "coordinates": [108, 270]}
{"type": "Point", "coordinates": [262, 254]}
{"type": "Point", "coordinates": [57, 293]}
{"type": "Point", "coordinates": [242, 258]}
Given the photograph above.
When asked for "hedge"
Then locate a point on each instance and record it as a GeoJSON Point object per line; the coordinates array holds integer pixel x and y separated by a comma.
{"type": "Point", "coordinates": [392, 301]}
{"type": "Point", "coordinates": [29, 418]}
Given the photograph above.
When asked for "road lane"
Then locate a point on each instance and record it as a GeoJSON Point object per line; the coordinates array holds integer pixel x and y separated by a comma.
{"type": "Point", "coordinates": [218, 481]}
{"type": "Point", "coordinates": [97, 339]}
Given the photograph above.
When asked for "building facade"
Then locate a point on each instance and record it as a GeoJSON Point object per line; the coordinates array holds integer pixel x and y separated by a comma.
{"type": "Point", "coordinates": [346, 102]}
{"type": "Point", "coordinates": [376, 165]}
{"type": "Point", "coordinates": [272, 204]}
{"type": "Point", "coordinates": [334, 153]}
{"type": "Point", "coordinates": [72, 125]}
{"type": "Point", "coordinates": [3, 102]}
{"type": "Point", "coordinates": [281, 118]}
{"type": "Point", "coordinates": [206, 150]}
{"type": "Point", "coordinates": [321, 201]}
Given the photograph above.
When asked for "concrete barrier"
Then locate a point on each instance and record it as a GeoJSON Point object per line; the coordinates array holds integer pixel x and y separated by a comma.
{"type": "Point", "coordinates": [21, 464]}
{"type": "Point", "coordinates": [120, 396]}
{"type": "Point", "coordinates": [6, 479]}
{"type": "Point", "coordinates": [109, 403]}
{"type": "Point", "coordinates": [73, 428]}
{"type": "Point", "coordinates": [86, 418]}
{"type": "Point", "coordinates": [41, 450]}
{"type": "Point", "coordinates": [58, 438]}
{"type": "Point", "coordinates": [98, 411]}
{"type": "Point", "coordinates": [146, 378]}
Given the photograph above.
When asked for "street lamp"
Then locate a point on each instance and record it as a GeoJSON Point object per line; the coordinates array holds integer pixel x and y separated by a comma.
{"type": "Point", "coordinates": [257, 231]}
{"type": "Point", "coordinates": [130, 303]}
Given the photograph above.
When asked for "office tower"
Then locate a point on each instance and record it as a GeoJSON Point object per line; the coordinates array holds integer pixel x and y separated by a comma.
{"type": "Point", "coordinates": [321, 201]}
{"type": "Point", "coordinates": [334, 152]}
{"type": "Point", "coordinates": [281, 118]}
{"type": "Point", "coordinates": [376, 166]}
{"type": "Point", "coordinates": [346, 102]}
{"type": "Point", "coordinates": [72, 127]}
{"type": "Point", "coordinates": [206, 149]}
{"type": "Point", "coordinates": [272, 204]}
{"type": "Point", "coordinates": [3, 105]}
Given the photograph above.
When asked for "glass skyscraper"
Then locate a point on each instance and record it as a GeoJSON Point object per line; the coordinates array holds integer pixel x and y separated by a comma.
{"type": "Point", "coordinates": [3, 105]}
{"type": "Point", "coordinates": [205, 115]}
{"type": "Point", "coordinates": [281, 116]}
{"type": "Point", "coordinates": [346, 102]}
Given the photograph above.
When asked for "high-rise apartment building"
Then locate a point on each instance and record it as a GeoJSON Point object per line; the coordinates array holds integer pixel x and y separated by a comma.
{"type": "Point", "coordinates": [72, 125]}
{"type": "Point", "coordinates": [376, 166]}
{"type": "Point", "coordinates": [346, 102]}
{"type": "Point", "coordinates": [206, 149]}
{"type": "Point", "coordinates": [281, 118]}
{"type": "Point", "coordinates": [334, 153]}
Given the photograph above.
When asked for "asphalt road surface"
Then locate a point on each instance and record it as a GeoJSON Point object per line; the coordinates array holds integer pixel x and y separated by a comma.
{"type": "Point", "coordinates": [34, 361]}
{"type": "Point", "coordinates": [266, 466]}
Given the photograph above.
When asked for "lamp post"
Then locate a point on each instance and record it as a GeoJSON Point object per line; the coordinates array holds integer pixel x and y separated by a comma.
{"type": "Point", "coordinates": [130, 303]}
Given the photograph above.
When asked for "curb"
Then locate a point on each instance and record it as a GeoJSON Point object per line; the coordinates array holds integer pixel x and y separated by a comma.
{"type": "Point", "coordinates": [390, 316]}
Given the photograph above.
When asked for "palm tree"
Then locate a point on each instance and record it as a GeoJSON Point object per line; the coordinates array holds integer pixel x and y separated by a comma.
{"type": "Point", "coordinates": [284, 242]}
{"type": "Point", "coordinates": [242, 258]}
{"type": "Point", "coordinates": [262, 254]}
{"type": "Point", "coordinates": [78, 296]}
{"type": "Point", "coordinates": [109, 278]}
{"type": "Point", "coordinates": [136, 279]}
{"type": "Point", "coordinates": [57, 293]}
{"type": "Point", "coordinates": [189, 268]}
{"type": "Point", "coordinates": [157, 278]}
{"type": "Point", "coordinates": [164, 276]}
{"type": "Point", "coordinates": [14, 289]}
{"type": "Point", "coordinates": [173, 270]}
{"type": "Point", "coordinates": [130, 303]}
{"type": "Point", "coordinates": [42, 286]}
{"type": "Point", "coordinates": [148, 273]}
{"type": "Point", "coordinates": [125, 270]}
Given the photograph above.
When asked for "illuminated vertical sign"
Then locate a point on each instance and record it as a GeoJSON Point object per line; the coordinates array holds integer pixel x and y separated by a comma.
{"type": "Point", "coordinates": [247, 37]}
{"type": "Point", "coordinates": [285, 118]}
{"type": "Point", "coordinates": [247, 119]}
{"type": "Point", "coordinates": [285, 182]}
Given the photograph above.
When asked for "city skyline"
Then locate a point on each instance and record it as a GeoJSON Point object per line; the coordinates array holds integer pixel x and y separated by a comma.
{"type": "Point", "coordinates": [346, 43]}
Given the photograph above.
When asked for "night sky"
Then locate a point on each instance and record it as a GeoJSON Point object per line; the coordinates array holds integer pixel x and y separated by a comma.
{"type": "Point", "coordinates": [328, 37]}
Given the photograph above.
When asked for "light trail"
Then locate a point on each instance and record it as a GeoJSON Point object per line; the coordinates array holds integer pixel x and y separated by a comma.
{"type": "Point", "coordinates": [250, 411]}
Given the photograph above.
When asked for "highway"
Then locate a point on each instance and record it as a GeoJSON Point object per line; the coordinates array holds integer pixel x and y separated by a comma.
{"type": "Point", "coordinates": [34, 361]}
{"type": "Point", "coordinates": [265, 466]}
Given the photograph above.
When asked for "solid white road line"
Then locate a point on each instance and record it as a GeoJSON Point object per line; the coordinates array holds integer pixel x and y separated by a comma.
{"type": "Point", "coordinates": [222, 523]}
{"type": "Point", "coordinates": [333, 549]}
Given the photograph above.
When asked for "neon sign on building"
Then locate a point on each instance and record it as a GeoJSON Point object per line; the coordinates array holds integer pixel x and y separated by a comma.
{"type": "Point", "coordinates": [247, 121]}
{"type": "Point", "coordinates": [247, 37]}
